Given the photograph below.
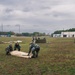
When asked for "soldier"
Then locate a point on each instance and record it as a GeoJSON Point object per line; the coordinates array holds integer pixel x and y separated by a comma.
{"type": "Point", "coordinates": [34, 48]}
{"type": "Point", "coordinates": [17, 46]}
{"type": "Point", "coordinates": [9, 49]}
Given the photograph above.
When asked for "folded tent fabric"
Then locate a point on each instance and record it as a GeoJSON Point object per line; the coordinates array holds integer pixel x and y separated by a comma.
{"type": "Point", "coordinates": [20, 54]}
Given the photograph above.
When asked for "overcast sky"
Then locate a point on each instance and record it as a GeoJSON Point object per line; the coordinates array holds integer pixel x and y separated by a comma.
{"type": "Point", "coordinates": [37, 15]}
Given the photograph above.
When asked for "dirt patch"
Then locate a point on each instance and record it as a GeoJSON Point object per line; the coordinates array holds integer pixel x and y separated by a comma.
{"type": "Point", "coordinates": [1, 42]}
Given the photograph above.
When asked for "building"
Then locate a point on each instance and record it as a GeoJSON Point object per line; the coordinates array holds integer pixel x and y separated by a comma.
{"type": "Point", "coordinates": [67, 34]}
{"type": "Point", "coordinates": [56, 35]}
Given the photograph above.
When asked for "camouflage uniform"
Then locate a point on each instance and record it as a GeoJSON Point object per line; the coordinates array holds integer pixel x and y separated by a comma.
{"type": "Point", "coordinates": [34, 48]}
{"type": "Point", "coordinates": [17, 46]}
{"type": "Point", "coordinates": [9, 49]}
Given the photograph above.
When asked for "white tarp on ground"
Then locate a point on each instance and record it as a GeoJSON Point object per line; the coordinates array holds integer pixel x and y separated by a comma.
{"type": "Point", "coordinates": [20, 54]}
{"type": "Point", "coordinates": [19, 41]}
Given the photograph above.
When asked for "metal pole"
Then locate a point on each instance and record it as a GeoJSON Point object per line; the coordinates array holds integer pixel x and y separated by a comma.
{"type": "Point", "coordinates": [18, 26]}
{"type": "Point", "coordinates": [2, 27]}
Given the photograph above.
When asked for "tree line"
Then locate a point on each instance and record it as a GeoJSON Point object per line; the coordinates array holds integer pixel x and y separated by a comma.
{"type": "Point", "coordinates": [23, 34]}
{"type": "Point", "coordinates": [68, 30]}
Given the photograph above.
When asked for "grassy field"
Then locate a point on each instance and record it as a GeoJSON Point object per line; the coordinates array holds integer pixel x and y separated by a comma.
{"type": "Point", "coordinates": [56, 57]}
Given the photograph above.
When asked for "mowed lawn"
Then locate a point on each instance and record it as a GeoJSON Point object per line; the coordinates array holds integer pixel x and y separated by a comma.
{"type": "Point", "coordinates": [56, 57]}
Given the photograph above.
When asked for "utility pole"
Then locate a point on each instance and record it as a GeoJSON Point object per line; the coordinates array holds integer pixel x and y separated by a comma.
{"type": "Point", "coordinates": [2, 27]}
{"type": "Point", "coordinates": [18, 25]}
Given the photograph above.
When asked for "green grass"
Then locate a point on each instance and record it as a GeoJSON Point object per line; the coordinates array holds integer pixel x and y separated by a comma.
{"type": "Point", "coordinates": [56, 57]}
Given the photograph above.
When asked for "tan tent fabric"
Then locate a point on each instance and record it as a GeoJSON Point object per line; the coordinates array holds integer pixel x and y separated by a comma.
{"type": "Point", "coordinates": [20, 54]}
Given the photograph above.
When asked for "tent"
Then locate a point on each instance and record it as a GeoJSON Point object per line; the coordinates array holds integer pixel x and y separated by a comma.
{"type": "Point", "coordinates": [20, 54]}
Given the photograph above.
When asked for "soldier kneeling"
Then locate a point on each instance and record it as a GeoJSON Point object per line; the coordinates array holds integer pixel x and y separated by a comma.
{"type": "Point", "coordinates": [9, 49]}
{"type": "Point", "coordinates": [17, 46]}
{"type": "Point", "coordinates": [34, 48]}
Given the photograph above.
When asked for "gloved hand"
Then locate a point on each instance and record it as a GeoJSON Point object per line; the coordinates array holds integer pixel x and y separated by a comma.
{"type": "Point", "coordinates": [28, 54]}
